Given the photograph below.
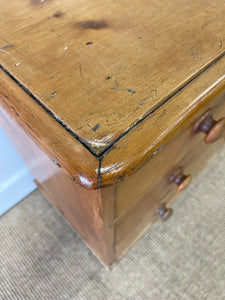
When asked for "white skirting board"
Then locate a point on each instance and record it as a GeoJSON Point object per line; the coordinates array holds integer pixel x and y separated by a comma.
{"type": "Point", "coordinates": [16, 181]}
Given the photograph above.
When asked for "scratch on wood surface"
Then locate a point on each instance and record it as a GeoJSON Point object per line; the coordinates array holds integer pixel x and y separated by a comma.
{"type": "Point", "coordinates": [193, 53]}
{"type": "Point", "coordinates": [210, 5]}
{"type": "Point", "coordinates": [191, 50]}
{"type": "Point", "coordinates": [36, 2]}
{"type": "Point", "coordinates": [179, 43]}
{"type": "Point", "coordinates": [117, 88]}
{"type": "Point", "coordinates": [123, 90]}
{"type": "Point", "coordinates": [56, 160]}
{"type": "Point", "coordinates": [6, 47]}
{"type": "Point", "coordinates": [93, 24]}
{"type": "Point", "coordinates": [32, 132]}
{"type": "Point", "coordinates": [160, 116]}
{"type": "Point", "coordinates": [207, 23]}
{"type": "Point", "coordinates": [81, 73]}
{"type": "Point", "coordinates": [4, 51]}
{"type": "Point", "coordinates": [9, 106]}
{"type": "Point", "coordinates": [109, 168]}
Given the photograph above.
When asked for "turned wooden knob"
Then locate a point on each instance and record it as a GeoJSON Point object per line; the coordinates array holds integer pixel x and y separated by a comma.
{"type": "Point", "coordinates": [180, 179]}
{"type": "Point", "coordinates": [164, 212]}
{"type": "Point", "coordinates": [213, 129]}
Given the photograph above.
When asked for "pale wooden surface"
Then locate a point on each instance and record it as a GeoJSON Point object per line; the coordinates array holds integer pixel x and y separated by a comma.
{"type": "Point", "coordinates": [152, 135]}
{"type": "Point", "coordinates": [148, 50]}
{"type": "Point", "coordinates": [98, 68]}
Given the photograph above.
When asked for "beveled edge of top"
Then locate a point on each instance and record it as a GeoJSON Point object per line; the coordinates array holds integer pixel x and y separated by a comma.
{"type": "Point", "coordinates": [131, 151]}
{"type": "Point", "coordinates": [139, 145]}
{"type": "Point", "coordinates": [61, 147]}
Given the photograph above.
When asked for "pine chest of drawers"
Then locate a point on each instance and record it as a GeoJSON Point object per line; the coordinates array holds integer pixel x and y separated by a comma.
{"type": "Point", "coordinates": [114, 106]}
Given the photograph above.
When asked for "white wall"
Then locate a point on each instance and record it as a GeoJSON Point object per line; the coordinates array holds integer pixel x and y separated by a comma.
{"type": "Point", "coordinates": [16, 181]}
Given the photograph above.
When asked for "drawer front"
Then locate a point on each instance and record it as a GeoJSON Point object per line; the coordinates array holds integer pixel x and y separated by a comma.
{"type": "Point", "coordinates": [140, 197]}
{"type": "Point", "coordinates": [184, 151]}
{"type": "Point", "coordinates": [131, 225]}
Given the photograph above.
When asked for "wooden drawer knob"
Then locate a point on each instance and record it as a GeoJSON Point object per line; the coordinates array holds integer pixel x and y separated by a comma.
{"type": "Point", "coordinates": [213, 129]}
{"type": "Point", "coordinates": [164, 212]}
{"type": "Point", "coordinates": [180, 179]}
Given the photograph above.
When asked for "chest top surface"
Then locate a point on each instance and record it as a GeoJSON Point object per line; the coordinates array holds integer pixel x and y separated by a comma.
{"type": "Point", "coordinates": [99, 68]}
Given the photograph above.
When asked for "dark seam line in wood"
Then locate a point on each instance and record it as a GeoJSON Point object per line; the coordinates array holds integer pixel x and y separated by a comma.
{"type": "Point", "coordinates": [100, 155]}
{"type": "Point", "coordinates": [107, 149]}
{"type": "Point", "coordinates": [49, 112]}
{"type": "Point", "coordinates": [99, 172]}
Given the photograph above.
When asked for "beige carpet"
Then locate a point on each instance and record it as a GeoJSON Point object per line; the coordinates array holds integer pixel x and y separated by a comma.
{"type": "Point", "coordinates": [42, 258]}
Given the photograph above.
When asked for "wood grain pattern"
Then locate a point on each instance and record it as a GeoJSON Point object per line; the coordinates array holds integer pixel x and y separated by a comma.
{"type": "Point", "coordinates": [130, 152]}
{"type": "Point", "coordinates": [152, 135]}
{"type": "Point", "coordinates": [89, 212]}
{"type": "Point", "coordinates": [101, 67]}
{"type": "Point", "coordinates": [52, 138]}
